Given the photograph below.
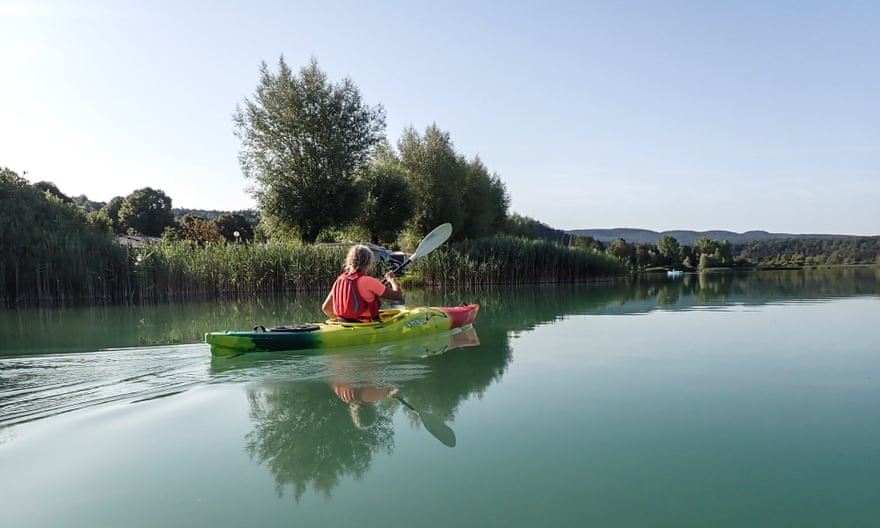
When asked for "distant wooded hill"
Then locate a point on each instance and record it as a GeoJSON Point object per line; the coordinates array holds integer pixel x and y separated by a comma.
{"type": "Point", "coordinates": [685, 237]}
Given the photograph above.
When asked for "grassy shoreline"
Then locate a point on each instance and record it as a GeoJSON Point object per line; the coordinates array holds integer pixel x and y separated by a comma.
{"type": "Point", "coordinates": [182, 271]}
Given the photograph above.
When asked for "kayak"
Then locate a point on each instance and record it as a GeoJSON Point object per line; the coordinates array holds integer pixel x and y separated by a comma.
{"type": "Point", "coordinates": [393, 325]}
{"type": "Point", "coordinates": [369, 362]}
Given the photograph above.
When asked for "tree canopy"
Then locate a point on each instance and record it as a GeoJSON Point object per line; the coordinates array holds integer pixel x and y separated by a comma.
{"type": "Point", "coordinates": [389, 200]}
{"type": "Point", "coordinates": [235, 227]}
{"type": "Point", "coordinates": [449, 188]}
{"type": "Point", "coordinates": [146, 211]}
{"type": "Point", "coordinates": [303, 140]}
{"type": "Point", "coordinates": [436, 177]}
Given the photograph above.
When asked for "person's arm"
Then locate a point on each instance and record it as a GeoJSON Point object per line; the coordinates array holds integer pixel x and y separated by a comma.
{"type": "Point", "coordinates": [327, 307]}
{"type": "Point", "coordinates": [392, 291]}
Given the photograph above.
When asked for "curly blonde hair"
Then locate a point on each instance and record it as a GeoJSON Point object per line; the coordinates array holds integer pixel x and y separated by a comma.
{"type": "Point", "coordinates": [359, 259]}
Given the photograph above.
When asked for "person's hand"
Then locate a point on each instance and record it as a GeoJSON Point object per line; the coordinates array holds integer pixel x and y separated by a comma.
{"type": "Point", "coordinates": [344, 392]}
{"type": "Point", "coordinates": [390, 277]}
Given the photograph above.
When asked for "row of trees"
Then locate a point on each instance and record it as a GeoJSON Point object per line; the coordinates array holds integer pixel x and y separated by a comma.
{"type": "Point", "coordinates": [707, 253]}
{"type": "Point", "coordinates": [321, 163]}
{"type": "Point", "coordinates": [148, 212]}
{"type": "Point", "coordinates": [668, 253]}
{"type": "Point", "coordinates": [797, 252]}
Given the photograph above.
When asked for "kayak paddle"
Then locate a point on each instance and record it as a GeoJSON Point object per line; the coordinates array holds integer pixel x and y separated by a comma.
{"type": "Point", "coordinates": [432, 241]}
{"type": "Point", "coordinates": [434, 425]}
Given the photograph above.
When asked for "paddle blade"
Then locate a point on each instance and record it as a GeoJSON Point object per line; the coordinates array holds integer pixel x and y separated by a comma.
{"type": "Point", "coordinates": [440, 430]}
{"type": "Point", "coordinates": [433, 240]}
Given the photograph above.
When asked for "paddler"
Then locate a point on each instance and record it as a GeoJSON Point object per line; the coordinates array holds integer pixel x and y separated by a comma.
{"type": "Point", "coordinates": [355, 295]}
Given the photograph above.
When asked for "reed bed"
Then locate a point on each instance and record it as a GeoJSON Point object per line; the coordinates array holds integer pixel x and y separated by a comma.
{"type": "Point", "coordinates": [182, 271]}
{"type": "Point", "coordinates": [63, 267]}
{"type": "Point", "coordinates": [508, 260]}
{"type": "Point", "coordinates": [73, 270]}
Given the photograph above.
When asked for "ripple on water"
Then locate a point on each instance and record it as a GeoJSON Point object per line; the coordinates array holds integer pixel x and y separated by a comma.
{"type": "Point", "coordinates": [40, 386]}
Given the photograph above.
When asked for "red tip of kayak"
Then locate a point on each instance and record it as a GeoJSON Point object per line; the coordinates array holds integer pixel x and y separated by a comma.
{"type": "Point", "coordinates": [462, 315]}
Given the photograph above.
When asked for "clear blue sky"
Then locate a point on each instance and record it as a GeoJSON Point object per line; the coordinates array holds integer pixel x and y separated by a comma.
{"type": "Point", "coordinates": [657, 114]}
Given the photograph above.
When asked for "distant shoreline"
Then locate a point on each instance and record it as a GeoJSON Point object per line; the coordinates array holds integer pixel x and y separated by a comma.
{"type": "Point", "coordinates": [689, 237]}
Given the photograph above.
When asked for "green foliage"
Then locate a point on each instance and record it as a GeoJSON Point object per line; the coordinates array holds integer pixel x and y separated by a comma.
{"type": "Point", "coordinates": [181, 270]}
{"type": "Point", "coordinates": [52, 189]}
{"type": "Point", "coordinates": [516, 225]}
{"type": "Point", "coordinates": [508, 260]}
{"type": "Point", "coordinates": [669, 249]}
{"type": "Point", "coordinates": [795, 252]}
{"type": "Point", "coordinates": [303, 139]}
{"type": "Point", "coordinates": [668, 253]}
{"type": "Point", "coordinates": [146, 211]}
{"type": "Point", "coordinates": [231, 223]}
{"type": "Point", "coordinates": [87, 205]}
{"type": "Point", "coordinates": [705, 261]}
{"type": "Point", "coordinates": [199, 231]}
{"type": "Point", "coordinates": [389, 201]}
{"type": "Point", "coordinates": [622, 250]}
{"type": "Point", "coordinates": [51, 252]}
{"type": "Point", "coordinates": [436, 175]}
{"type": "Point", "coordinates": [250, 215]}
{"type": "Point", "coordinates": [585, 242]}
{"type": "Point", "coordinates": [485, 201]}
{"type": "Point", "coordinates": [110, 214]}
{"type": "Point", "coordinates": [719, 253]}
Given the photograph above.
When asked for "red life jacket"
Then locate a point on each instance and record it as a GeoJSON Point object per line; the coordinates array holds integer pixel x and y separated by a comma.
{"type": "Point", "coordinates": [348, 303]}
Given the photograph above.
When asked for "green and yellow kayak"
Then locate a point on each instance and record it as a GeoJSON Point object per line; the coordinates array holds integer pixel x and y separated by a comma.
{"type": "Point", "coordinates": [393, 325]}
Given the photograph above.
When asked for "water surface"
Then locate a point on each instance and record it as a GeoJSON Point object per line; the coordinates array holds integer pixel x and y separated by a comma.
{"type": "Point", "coordinates": [719, 400]}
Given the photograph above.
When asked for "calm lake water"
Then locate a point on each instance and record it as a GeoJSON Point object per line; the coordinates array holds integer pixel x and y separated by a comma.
{"type": "Point", "coordinates": [713, 400]}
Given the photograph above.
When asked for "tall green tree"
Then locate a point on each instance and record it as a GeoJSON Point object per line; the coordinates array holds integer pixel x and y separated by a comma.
{"type": "Point", "coordinates": [303, 140]}
{"type": "Point", "coordinates": [389, 201]}
{"type": "Point", "coordinates": [52, 189]}
{"type": "Point", "coordinates": [87, 205]}
{"type": "Point", "coordinates": [109, 213]}
{"type": "Point", "coordinates": [623, 250]}
{"type": "Point", "coordinates": [669, 249]}
{"type": "Point", "coordinates": [437, 177]}
{"type": "Point", "coordinates": [198, 230]}
{"type": "Point", "coordinates": [232, 223]}
{"type": "Point", "coordinates": [485, 201]}
{"type": "Point", "coordinates": [146, 211]}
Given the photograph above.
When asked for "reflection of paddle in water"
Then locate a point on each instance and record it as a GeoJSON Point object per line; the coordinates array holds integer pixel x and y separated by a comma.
{"type": "Point", "coordinates": [435, 426]}
{"type": "Point", "coordinates": [363, 414]}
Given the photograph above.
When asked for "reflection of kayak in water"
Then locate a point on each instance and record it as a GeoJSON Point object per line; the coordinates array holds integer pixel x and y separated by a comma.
{"type": "Point", "coordinates": [393, 326]}
{"type": "Point", "coordinates": [384, 364]}
{"type": "Point", "coordinates": [431, 345]}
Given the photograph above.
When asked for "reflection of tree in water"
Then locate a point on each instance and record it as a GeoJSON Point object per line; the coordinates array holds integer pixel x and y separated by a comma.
{"type": "Point", "coordinates": [523, 308]}
{"type": "Point", "coordinates": [305, 435]}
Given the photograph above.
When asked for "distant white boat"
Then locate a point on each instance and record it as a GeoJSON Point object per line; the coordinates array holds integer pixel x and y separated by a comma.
{"type": "Point", "coordinates": [674, 273]}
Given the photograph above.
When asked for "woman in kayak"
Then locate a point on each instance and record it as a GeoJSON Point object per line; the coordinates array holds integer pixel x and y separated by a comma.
{"type": "Point", "coordinates": [355, 295]}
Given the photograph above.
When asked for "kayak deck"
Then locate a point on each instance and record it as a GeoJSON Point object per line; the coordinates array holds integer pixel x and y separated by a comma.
{"type": "Point", "coordinates": [393, 325]}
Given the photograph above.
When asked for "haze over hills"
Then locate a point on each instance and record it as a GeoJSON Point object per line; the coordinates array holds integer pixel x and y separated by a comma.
{"type": "Point", "coordinates": [687, 237]}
